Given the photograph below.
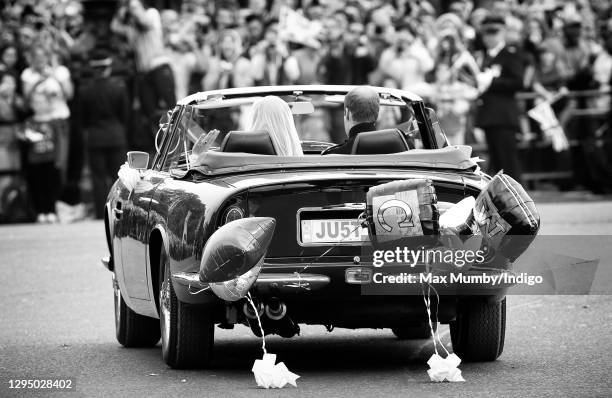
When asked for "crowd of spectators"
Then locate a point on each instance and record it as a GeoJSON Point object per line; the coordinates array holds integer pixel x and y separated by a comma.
{"type": "Point", "coordinates": [41, 44]}
{"type": "Point", "coordinates": [50, 55]}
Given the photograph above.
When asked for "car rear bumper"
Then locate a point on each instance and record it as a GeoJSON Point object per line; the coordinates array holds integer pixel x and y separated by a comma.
{"type": "Point", "coordinates": [266, 282]}
{"type": "Point", "coordinates": [330, 281]}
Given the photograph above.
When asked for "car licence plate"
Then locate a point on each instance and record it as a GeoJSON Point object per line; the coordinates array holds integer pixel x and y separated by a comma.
{"type": "Point", "coordinates": [332, 231]}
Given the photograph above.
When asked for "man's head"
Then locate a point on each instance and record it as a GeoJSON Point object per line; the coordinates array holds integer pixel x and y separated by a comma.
{"type": "Point", "coordinates": [572, 30]}
{"type": "Point", "coordinates": [361, 105]}
{"type": "Point", "coordinates": [514, 30]}
{"type": "Point", "coordinates": [255, 27]}
{"type": "Point", "coordinates": [224, 18]}
{"type": "Point", "coordinates": [27, 36]}
{"type": "Point", "coordinates": [39, 57]}
{"type": "Point", "coordinates": [314, 11]}
{"type": "Point", "coordinates": [405, 35]}
{"type": "Point", "coordinates": [493, 31]}
{"type": "Point", "coordinates": [354, 34]}
{"type": "Point", "coordinates": [271, 31]}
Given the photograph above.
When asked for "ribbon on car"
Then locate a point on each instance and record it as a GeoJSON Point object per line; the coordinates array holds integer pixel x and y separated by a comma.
{"type": "Point", "coordinates": [128, 176]}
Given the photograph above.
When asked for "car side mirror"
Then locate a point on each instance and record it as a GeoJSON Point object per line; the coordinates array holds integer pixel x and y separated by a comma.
{"type": "Point", "coordinates": [138, 160]}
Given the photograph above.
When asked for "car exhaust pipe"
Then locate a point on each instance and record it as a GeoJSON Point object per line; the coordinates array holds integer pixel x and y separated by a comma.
{"type": "Point", "coordinates": [277, 320]}
{"type": "Point", "coordinates": [275, 309]}
{"type": "Point", "coordinates": [248, 311]}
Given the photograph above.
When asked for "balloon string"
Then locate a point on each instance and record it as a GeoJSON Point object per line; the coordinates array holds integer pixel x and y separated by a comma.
{"type": "Point", "coordinates": [263, 338]}
{"type": "Point", "coordinates": [327, 251]}
{"type": "Point", "coordinates": [437, 306]}
{"type": "Point", "coordinates": [199, 291]}
{"type": "Point", "coordinates": [427, 301]}
{"type": "Point", "coordinates": [435, 334]}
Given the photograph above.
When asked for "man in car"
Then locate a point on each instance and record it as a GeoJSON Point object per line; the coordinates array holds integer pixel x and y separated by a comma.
{"type": "Point", "coordinates": [361, 107]}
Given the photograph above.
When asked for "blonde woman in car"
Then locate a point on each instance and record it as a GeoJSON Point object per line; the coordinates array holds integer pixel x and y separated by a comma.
{"type": "Point", "coordinates": [273, 115]}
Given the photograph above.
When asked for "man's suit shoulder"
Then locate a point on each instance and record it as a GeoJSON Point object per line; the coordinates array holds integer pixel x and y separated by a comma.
{"type": "Point", "coordinates": [511, 52]}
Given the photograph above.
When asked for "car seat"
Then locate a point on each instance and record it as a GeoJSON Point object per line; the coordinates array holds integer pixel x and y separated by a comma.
{"type": "Point", "coordinates": [257, 142]}
{"type": "Point", "coordinates": [379, 142]}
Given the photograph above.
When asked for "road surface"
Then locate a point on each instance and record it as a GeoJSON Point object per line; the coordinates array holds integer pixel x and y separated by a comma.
{"type": "Point", "coordinates": [57, 321]}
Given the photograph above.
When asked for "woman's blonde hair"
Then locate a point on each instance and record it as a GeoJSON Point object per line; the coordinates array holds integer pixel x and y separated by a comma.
{"type": "Point", "coordinates": [273, 115]}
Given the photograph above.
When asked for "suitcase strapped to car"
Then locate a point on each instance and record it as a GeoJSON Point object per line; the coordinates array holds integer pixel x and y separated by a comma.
{"type": "Point", "coordinates": [402, 209]}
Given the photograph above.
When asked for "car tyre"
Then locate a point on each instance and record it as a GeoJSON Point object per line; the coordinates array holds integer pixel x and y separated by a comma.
{"type": "Point", "coordinates": [187, 332]}
{"type": "Point", "coordinates": [132, 329]}
{"type": "Point", "coordinates": [413, 332]}
{"type": "Point", "coordinates": [478, 332]}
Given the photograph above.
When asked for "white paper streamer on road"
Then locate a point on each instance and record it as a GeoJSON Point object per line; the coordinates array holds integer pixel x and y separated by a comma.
{"type": "Point", "coordinates": [441, 369]}
{"type": "Point", "coordinates": [271, 375]}
{"type": "Point", "coordinates": [444, 368]}
{"type": "Point", "coordinates": [268, 373]}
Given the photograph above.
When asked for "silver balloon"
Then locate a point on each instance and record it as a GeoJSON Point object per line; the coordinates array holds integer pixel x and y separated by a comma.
{"type": "Point", "coordinates": [235, 248]}
{"type": "Point", "coordinates": [237, 288]}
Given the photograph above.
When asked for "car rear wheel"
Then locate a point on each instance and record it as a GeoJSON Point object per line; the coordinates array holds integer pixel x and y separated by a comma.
{"type": "Point", "coordinates": [187, 332]}
{"type": "Point", "coordinates": [413, 331]}
{"type": "Point", "coordinates": [478, 333]}
{"type": "Point", "coordinates": [132, 329]}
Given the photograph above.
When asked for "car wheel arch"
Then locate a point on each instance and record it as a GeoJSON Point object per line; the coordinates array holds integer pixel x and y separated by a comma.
{"type": "Point", "coordinates": [157, 240]}
{"type": "Point", "coordinates": [107, 229]}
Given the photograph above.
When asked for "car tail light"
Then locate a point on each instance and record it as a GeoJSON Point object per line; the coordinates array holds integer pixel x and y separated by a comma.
{"type": "Point", "coordinates": [232, 213]}
{"type": "Point", "coordinates": [358, 275]}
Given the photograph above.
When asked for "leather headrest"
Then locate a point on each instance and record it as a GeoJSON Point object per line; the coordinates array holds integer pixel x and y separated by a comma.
{"type": "Point", "coordinates": [257, 141]}
{"type": "Point", "coordinates": [379, 142]}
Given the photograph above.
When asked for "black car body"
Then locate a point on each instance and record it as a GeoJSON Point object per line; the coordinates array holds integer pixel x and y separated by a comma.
{"type": "Point", "coordinates": [158, 226]}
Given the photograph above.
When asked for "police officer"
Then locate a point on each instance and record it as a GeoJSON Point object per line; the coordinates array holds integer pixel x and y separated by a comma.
{"type": "Point", "coordinates": [104, 110]}
{"type": "Point", "coordinates": [502, 69]}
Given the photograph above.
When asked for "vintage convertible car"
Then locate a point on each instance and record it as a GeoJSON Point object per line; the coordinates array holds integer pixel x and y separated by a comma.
{"type": "Point", "coordinates": [172, 227]}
